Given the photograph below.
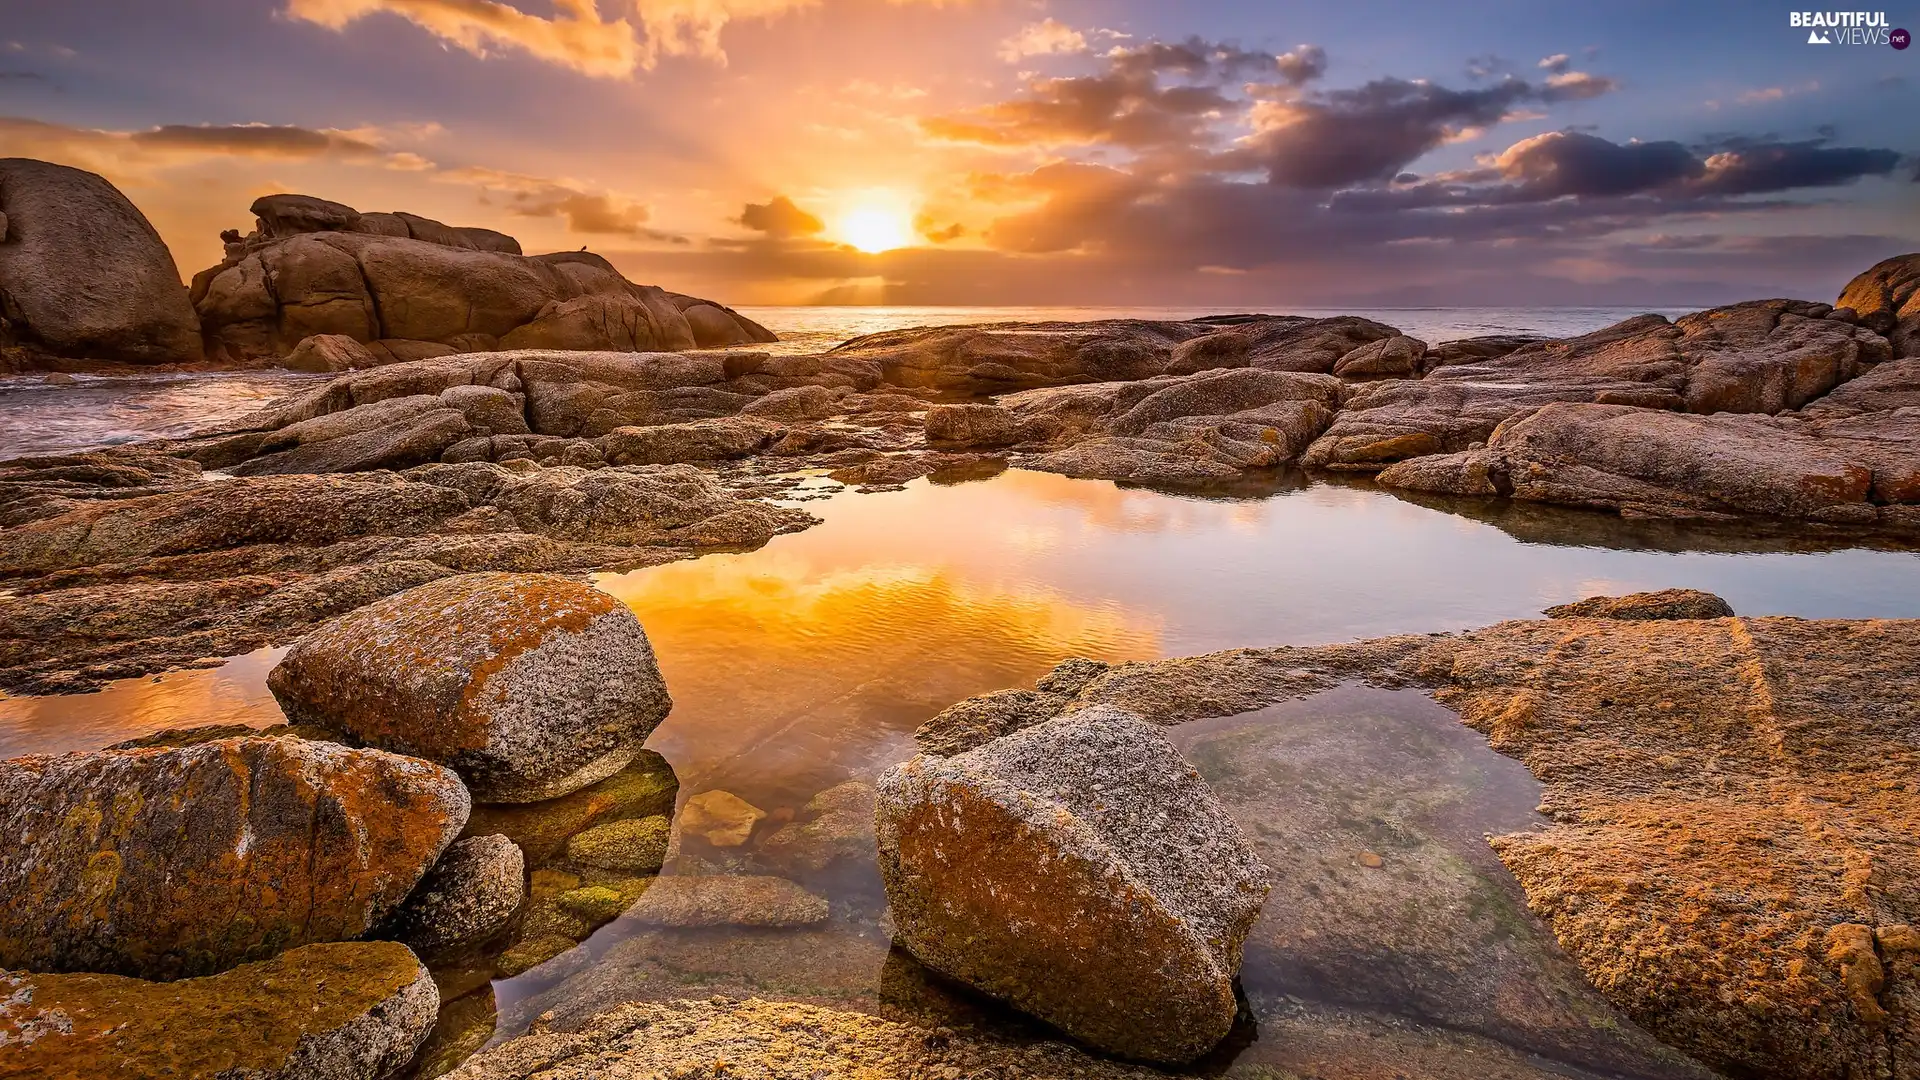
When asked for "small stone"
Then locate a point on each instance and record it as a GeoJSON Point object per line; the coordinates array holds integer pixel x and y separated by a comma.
{"type": "Point", "coordinates": [1369, 860]}
{"type": "Point", "coordinates": [467, 897]}
{"type": "Point", "coordinates": [721, 818]}
{"type": "Point", "coordinates": [633, 844]}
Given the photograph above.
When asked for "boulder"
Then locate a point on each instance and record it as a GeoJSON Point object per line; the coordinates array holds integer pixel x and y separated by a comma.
{"type": "Point", "coordinates": [347, 1011]}
{"type": "Point", "coordinates": [528, 685]}
{"type": "Point", "coordinates": [1081, 870]}
{"type": "Point", "coordinates": [329, 352]}
{"type": "Point", "coordinates": [166, 863]}
{"type": "Point", "coordinates": [84, 275]}
{"type": "Point", "coordinates": [1665, 604]}
{"type": "Point", "coordinates": [797, 403]}
{"type": "Point", "coordinates": [1397, 357]}
{"type": "Point", "coordinates": [468, 897]}
{"type": "Point", "coordinates": [1886, 299]}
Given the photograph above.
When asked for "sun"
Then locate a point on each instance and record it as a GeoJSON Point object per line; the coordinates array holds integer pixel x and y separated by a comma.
{"type": "Point", "coordinates": [874, 227]}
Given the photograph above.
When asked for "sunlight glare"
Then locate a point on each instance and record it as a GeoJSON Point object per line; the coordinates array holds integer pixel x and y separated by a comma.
{"type": "Point", "coordinates": [875, 227]}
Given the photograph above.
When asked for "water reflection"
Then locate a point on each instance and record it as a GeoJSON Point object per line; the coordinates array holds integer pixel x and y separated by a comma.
{"type": "Point", "coordinates": [235, 692]}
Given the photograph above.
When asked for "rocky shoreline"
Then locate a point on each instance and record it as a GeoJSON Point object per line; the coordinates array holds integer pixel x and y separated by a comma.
{"type": "Point", "coordinates": [1719, 878]}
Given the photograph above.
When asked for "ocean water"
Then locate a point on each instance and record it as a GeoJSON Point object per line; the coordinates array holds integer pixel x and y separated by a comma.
{"type": "Point", "coordinates": [95, 411]}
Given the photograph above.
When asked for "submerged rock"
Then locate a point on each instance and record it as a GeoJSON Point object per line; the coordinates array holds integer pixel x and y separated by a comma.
{"type": "Point", "coordinates": [176, 862]}
{"type": "Point", "coordinates": [633, 844]}
{"type": "Point", "coordinates": [470, 895]}
{"type": "Point", "coordinates": [1081, 870]}
{"type": "Point", "coordinates": [834, 825]}
{"type": "Point", "coordinates": [349, 1011]}
{"type": "Point", "coordinates": [83, 274]}
{"type": "Point", "coordinates": [726, 900]}
{"type": "Point", "coordinates": [762, 1040]}
{"type": "Point", "coordinates": [642, 790]}
{"type": "Point", "coordinates": [721, 818]}
{"type": "Point", "coordinates": [528, 685]}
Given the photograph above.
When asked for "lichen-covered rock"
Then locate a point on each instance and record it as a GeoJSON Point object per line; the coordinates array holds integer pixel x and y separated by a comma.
{"type": "Point", "coordinates": [528, 685]}
{"type": "Point", "coordinates": [763, 1040]}
{"type": "Point", "coordinates": [83, 274]}
{"type": "Point", "coordinates": [1665, 604]}
{"type": "Point", "coordinates": [166, 863]}
{"type": "Point", "coordinates": [1081, 870]}
{"type": "Point", "coordinates": [700, 440]}
{"type": "Point", "coordinates": [467, 897]}
{"type": "Point", "coordinates": [644, 789]}
{"type": "Point", "coordinates": [633, 844]}
{"type": "Point", "coordinates": [347, 1011]}
{"type": "Point", "coordinates": [726, 900]}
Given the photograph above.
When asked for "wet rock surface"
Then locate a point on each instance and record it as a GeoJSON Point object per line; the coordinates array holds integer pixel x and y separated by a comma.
{"type": "Point", "coordinates": [530, 686]}
{"type": "Point", "coordinates": [163, 863]}
{"type": "Point", "coordinates": [349, 1011]}
{"type": "Point", "coordinates": [1017, 866]}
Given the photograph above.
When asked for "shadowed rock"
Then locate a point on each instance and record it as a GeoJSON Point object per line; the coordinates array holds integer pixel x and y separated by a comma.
{"type": "Point", "coordinates": [351, 1011]}
{"type": "Point", "coordinates": [468, 896]}
{"type": "Point", "coordinates": [180, 862]}
{"type": "Point", "coordinates": [83, 274]}
{"type": "Point", "coordinates": [528, 686]}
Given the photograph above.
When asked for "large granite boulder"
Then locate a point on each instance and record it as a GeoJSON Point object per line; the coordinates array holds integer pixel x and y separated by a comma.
{"type": "Point", "coordinates": [165, 863]}
{"type": "Point", "coordinates": [1081, 870]}
{"type": "Point", "coordinates": [528, 685]}
{"type": "Point", "coordinates": [83, 274]}
{"type": "Point", "coordinates": [1886, 297]}
{"type": "Point", "coordinates": [314, 267]}
{"type": "Point", "coordinates": [348, 1011]}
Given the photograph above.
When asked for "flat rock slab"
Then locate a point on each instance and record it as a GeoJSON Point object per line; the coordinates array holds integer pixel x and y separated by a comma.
{"type": "Point", "coordinates": [726, 900]}
{"type": "Point", "coordinates": [166, 863]}
{"type": "Point", "coordinates": [1081, 870]}
{"type": "Point", "coordinates": [346, 1011]}
{"type": "Point", "coordinates": [529, 686]}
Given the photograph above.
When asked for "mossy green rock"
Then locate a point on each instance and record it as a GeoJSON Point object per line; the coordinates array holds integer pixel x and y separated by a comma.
{"type": "Point", "coordinates": [341, 1011]}
{"type": "Point", "coordinates": [635, 844]}
{"type": "Point", "coordinates": [530, 953]}
{"type": "Point", "coordinates": [596, 903]}
{"type": "Point", "coordinates": [643, 788]}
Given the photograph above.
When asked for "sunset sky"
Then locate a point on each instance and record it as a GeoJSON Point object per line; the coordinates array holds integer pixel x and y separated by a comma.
{"type": "Point", "coordinates": [1202, 152]}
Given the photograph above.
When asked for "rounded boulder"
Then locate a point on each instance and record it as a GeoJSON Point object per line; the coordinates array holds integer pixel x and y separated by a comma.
{"type": "Point", "coordinates": [530, 686]}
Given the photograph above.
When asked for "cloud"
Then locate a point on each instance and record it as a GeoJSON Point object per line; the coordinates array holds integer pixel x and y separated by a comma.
{"type": "Point", "coordinates": [1562, 163]}
{"type": "Point", "coordinates": [577, 36]}
{"type": "Point", "coordinates": [1557, 64]}
{"type": "Point", "coordinates": [1371, 133]}
{"type": "Point", "coordinates": [1048, 37]}
{"type": "Point", "coordinates": [778, 217]}
{"type": "Point", "coordinates": [256, 140]}
{"type": "Point", "coordinates": [1156, 95]}
{"type": "Point", "coordinates": [137, 153]}
{"type": "Point", "coordinates": [1748, 168]}
{"type": "Point", "coordinates": [585, 211]}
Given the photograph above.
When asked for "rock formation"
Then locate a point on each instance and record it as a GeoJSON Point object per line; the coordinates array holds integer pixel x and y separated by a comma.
{"type": "Point", "coordinates": [352, 1011]}
{"type": "Point", "coordinates": [469, 896]}
{"type": "Point", "coordinates": [1080, 870]}
{"type": "Point", "coordinates": [166, 863]}
{"type": "Point", "coordinates": [530, 686]}
{"type": "Point", "coordinates": [83, 275]}
{"type": "Point", "coordinates": [396, 282]}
